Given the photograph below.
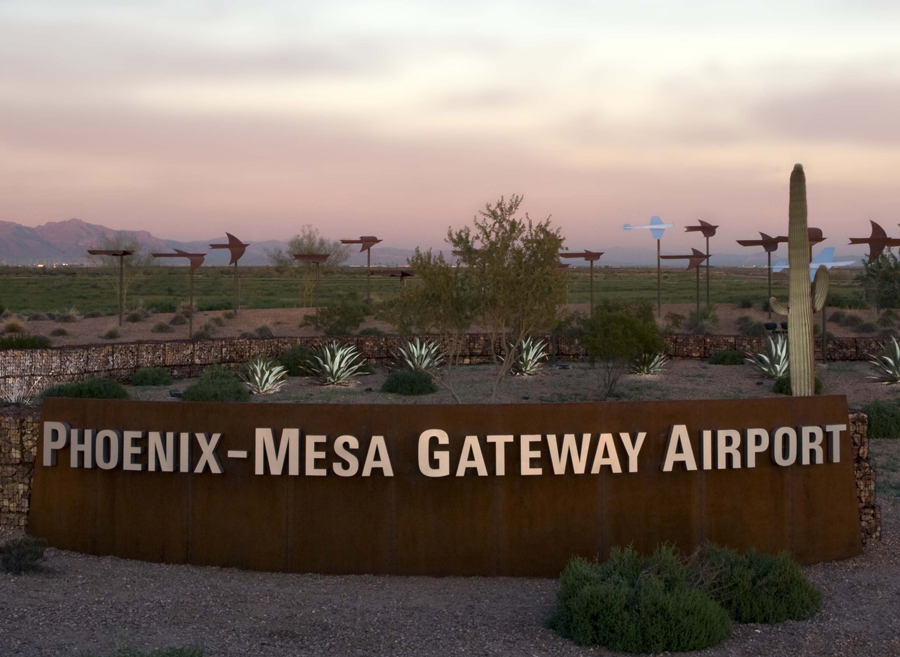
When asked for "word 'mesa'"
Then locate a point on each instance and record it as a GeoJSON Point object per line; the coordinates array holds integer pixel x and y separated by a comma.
{"type": "Point", "coordinates": [586, 453]}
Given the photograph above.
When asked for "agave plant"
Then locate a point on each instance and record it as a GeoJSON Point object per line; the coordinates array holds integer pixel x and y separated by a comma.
{"type": "Point", "coordinates": [772, 363]}
{"type": "Point", "coordinates": [336, 364]}
{"type": "Point", "coordinates": [21, 394]}
{"type": "Point", "coordinates": [422, 355]}
{"type": "Point", "coordinates": [650, 364]}
{"type": "Point", "coordinates": [887, 365]}
{"type": "Point", "coordinates": [529, 356]}
{"type": "Point", "coordinates": [263, 377]}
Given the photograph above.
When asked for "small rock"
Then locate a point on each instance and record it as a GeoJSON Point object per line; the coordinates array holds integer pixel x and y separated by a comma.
{"type": "Point", "coordinates": [174, 392]}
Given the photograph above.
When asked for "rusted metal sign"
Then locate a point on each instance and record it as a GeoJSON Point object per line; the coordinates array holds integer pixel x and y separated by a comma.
{"type": "Point", "coordinates": [514, 489]}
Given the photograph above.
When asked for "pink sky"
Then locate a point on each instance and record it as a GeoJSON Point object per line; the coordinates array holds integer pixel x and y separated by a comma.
{"type": "Point", "coordinates": [408, 117]}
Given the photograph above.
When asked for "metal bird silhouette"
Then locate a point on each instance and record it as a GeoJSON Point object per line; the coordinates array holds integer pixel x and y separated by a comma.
{"type": "Point", "coordinates": [768, 243]}
{"type": "Point", "coordinates": [234, 245]}
{"type": "Point", "coordinates": [707, 229]}
{"type": "Point", "coordinates": [877, 241]}
{"type": "Point", "coordinates": [196, 259]}
{"type": "Point", "coordinates": [694, 259]}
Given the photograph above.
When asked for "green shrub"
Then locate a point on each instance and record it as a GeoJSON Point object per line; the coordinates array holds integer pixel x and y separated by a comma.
{"type": "Point", "coordinates": [216, 384]}
{"type": "Point", "coordinates": [757, 588]}
{"type": "Point", "coordinates": [746, 302]}
{"type": "Point", "coordinates": [264, 331]}
{"type": "Point", "coordinates": [14, 326]}
{"type": "Point", "coordinates": [218, 321]}
{"type": "Point", "coordinates": [215, 304]}
{"type": "Point", "coordinates": [851, 320]}
{"type": "Point", "coordinates": [846, 301]}
{"type": "Point", "coordinates": [178, 320]}
{"type": "Point", "coordinates": [884, 419]}
{"type": "Point", "coordinates": [637, 604]}
{"type": "Point", "coordinates": [20, 555]}
{"type": "Point", "coordinates": [866, 327]}
{"type": "Point", "coordinates": [727, 357]}
{"type": "Point", "coordinates": [94, 314]}
{"type": "Point", "coordinates": [96, 388]}
{"type": "Point", "coordinates": [24, 341]}
{"type": "Point", "coordinates": [151, 376]}
{"type": "Point", "coordinates": [58, 332]}
{"type": "Point", "coordinates": [409, 383]}
{"type": "Point", "coordinates": [750, 327]}
{"type": "Point", "coordinates": [674, 321]}
{"type": "Point", "coordinates": [886, 320]}
{"type": "Point", "coordinates": [37, 317]}
{"type": "Point", "coordinates": [341, 317]}
{"type": "Point", "coordinates": [68, 317]}
{"type": "Point", "coordinates": [371, 330]}
{"type": "Point", "coordinates": [111, 334]}
{"type": "Point", "coordinates": [298, 360]}
{"type": "Point", "coordinates": [837, 316]}
{"type": "Point", "coordinates": [783, 385]}
{"type": "Point", "coordinates": [205, 332]}
{"type": "Point", "coordinates": [162, 327]}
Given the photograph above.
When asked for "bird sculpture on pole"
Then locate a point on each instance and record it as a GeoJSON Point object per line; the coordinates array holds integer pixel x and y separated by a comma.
{"type": "Point", "coordinates": [237, 249]}
{"type": "Point", "coordinates": [366, 243]}
{"type": "Point", "coordinates": [707, 230]}
{"type": "Point", "coordinates": [877, 241]}
{"type": "Point", "coordinates": [195, 260]}
{"type": "Point", "coordinates": [656, 228]}
{"type": "Point", "coordinates": [402, 274]}
{"type": "Point", "coordinates": [121, 254]}
{"type": "Point", "coordinates": [695, 259]}
{"type": "Point", "coordinates": [770, 245]}
{"type": "Point", "coordinates": [591, 257]}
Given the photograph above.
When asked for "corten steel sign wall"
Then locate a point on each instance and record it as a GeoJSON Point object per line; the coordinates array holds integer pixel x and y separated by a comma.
{"type": "Point", "coordinates": [527, 521]}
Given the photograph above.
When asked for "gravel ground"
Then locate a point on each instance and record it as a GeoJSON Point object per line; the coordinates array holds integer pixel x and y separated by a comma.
{"type": "Point", "coordinates": [681, 379]}
{"type": "Point", "coordinates": [78, 604]}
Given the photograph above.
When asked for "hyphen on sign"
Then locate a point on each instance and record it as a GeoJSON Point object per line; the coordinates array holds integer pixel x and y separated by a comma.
{"type": "Point", "coordinates": [586, 453]}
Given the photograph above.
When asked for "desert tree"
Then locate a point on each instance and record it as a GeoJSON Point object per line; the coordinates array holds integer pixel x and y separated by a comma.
{"type": "Point", "coordinates": [135, 266]}
{"type": "Point", "coordinates": [308, 240]}
{"type": "Point", "coordinates": [517, 287]}
{"type": "Point", "coordinates": [880, 278]}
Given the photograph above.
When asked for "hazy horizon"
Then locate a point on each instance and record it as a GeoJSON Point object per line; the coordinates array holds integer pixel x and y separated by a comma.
{"type": "Point", "coordinates": [401, 119]}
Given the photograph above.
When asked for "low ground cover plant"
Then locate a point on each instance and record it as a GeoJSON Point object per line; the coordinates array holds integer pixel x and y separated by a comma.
{"type": "Point", "coordinates": [409, 383]}
{"type": "Point", "coordinates": [24, 341]}
{"type": "Point", "coordinates": [887, 365]}
{"type": "Point", "coordinates": [58, 332]}
{"type": "Point", "coordinates": [341, 317]}
{"type": "Point", "coordinates": [20, 555]}
{"type": "Point", "coordinates": [774, 361]}
{"type": "Point", "coordinates": [650, 364]}
{"type": "Point", "coordinates": [216, 384]}
{"type": "Point", "coordinates": [14, 326]}
{"type": "Point", "coordinates": [528, 357]}
{"type": "Point", "coordinates": [111, 334]}
{"type": "Point", "coordinates": [704, 322]}
{"type": "Point", "coordinates": [424, 355]}
{"type": "Point", "coordinates": [666, 603]}
{"type": "Point", "coordinates": [96, 388]}
{"type": "Point", "coordinates": [884, 419]}
{"type": "Point", "coordinates": [336, 365]}
{"type": "Point", "coordinates": [263, 377]}
{"type": "Point", "coordinates": [151, 376]}
{"type": "Point", "coordinates": [727, 357]}
{"type": "Point", "coordinates": [162, 327]}
{"type": "Point", "coordinates": [782, 385]}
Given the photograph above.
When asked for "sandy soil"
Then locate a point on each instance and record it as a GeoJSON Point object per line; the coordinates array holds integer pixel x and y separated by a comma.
{"type": "Point", "coordinates": [285, 322]}
{"type": "Point", "coordinates": [78, 603]}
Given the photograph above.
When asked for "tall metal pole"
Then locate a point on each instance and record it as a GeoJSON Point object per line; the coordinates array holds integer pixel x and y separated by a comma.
{"type": "Point", "coordinates": [191, 304]}
{"type": "Point", "coordinates": [121, 287]}
{"type": "Point", "coordinates": [316, 291]}
{"type": "Point", "coordinates": [769, 253]}
{"type": "Point", "coordinates": [824, 335]}
{"type": "Point", "coordinates": [707, 272]}
{"type": "Point", "coordinates": [698, 293]}
{"type": "Point", "coordinates": [592, 286]}
{"type": "Point", "coordinates": [368, 274]}
{"type": "Point", "coordinates": [658, 282]}
{"type": "Point", "coordinates": [236, 290]}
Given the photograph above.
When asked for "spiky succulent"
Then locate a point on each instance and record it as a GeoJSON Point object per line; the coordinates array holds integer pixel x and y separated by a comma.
{"type": "Point", "coordinates": [529, 356]}
{"type": "Point", "coordinates": [336, 364]}
{"type": "Point", "coordinates": [421, 355]}
{"type": "Point", "coordinates": [774, 361]}
{"type": "Point", "coordinates": [650, 364]}
{"type": "Point", "coordinates": [263, 377]}
{"type": "Point", "coordinates": [887, 365]}
{"type": "Point", "coordinates": [21, 394]}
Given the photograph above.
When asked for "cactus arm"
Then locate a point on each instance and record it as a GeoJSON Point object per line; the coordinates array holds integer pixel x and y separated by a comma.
{"type": "Point", "coordinates": [820, 288]}
{"type": "Point", "coordinates": [777, 307]}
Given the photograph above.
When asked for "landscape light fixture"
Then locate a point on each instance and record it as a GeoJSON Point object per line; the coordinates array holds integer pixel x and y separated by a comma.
{"type": "Point", "coordinates": [366, 242]}
{"type": "Point", "coordinates": [121, 254]}
{"type": "Point", "coordinates": [707, 230]}
{"type": "Point", "coordinates": [694, 260]}
{"type": "Point", "coordinates": [656, 228]}
{"type": "Point", "coordinates": [237, 249]}
{"type": "Point", "coordinates": [317, 259]}
{"type": "Point", "coordinates": [196, 259]}
{"type": "Point", "coordinates": [770, 244]}
{"type": "Point", "coordinates": [877, 241]}
{"type": "Point", "coordinates": [591, 257]}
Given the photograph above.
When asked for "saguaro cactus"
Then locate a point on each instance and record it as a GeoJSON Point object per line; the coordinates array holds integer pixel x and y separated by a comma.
{"type": "Point", "coordinates": [804, 301]}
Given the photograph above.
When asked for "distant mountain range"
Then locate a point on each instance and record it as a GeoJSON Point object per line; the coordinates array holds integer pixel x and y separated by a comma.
{"type": "Point", "coordinates": [67, 242]}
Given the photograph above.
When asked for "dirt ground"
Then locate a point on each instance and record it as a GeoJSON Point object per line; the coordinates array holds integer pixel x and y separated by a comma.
{"type": "Point", "coordinates": [285, 322]}
{"type": "Point", "coordinates": [79, 603]}
{"type": "Point", "coordinates": [680, 379]}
